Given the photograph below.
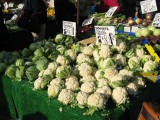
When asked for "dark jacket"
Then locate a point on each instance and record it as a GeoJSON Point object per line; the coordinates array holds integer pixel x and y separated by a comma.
{"type": "Point", "coordinates": [36, 7]}
{"type": "Point", "coordinates": [64, 11]}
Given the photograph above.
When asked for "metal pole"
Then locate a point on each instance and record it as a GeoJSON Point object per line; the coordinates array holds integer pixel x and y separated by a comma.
{"type": "Point", "coordinates": [77, 17]}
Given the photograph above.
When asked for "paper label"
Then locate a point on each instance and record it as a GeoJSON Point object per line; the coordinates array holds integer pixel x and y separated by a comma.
{"type": "Point", "coordinates": [148, 6]}
{"type": "Point", "coordinates": [135, 28]}
{"type": "Point", "coordinates": [69, 28]}
{"type": "Point", "coordinates": [156, 20]}
{"type": "Point", "coordinates": [20, 6]}
{"type": "Point", "coordinates": [14, 17]}
{"type": "Point", "coordinates": [127, 29]}
{"type": "Point", "coordinates": [51, 3]}
{"type": "Point", "coordinates": [111, 11]}
{"type": "Point", "coordinates": [11, 4]}
{"type": "Point", "coordinates": [87, 21]}
{"type": "Point", "coordinates": [105, 34]}
{"type": "Point", "coordinates": [5, 5]}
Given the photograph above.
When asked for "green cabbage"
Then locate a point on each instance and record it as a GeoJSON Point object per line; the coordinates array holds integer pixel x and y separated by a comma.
{"type": "Point", "coordinates": [3, 67]}
{"type": "Point", "coordinates": [19, 73]}
{"type": "Point", "coordinates": [20, 62]}
{"type": "Point", "coordinates": [32, 73]}
{"type": "Point", "coordinates": [11, 71]}
{"type": "Point", "coordinates": [42, 63]}
{"type": "Point", "coordinates": [26, 52]}
{"type": "Point", "coordinates": [59, 39]}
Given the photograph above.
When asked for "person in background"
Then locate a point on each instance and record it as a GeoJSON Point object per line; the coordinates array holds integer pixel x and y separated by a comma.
{"type": "Point", "coordinates": [106, 4]}
{"type": "Point", "coordinates": [3, 32]}
{"type": "Point", "coordinates": [33, 18]}
{"type": "Point", "coordinates": [64, 11]}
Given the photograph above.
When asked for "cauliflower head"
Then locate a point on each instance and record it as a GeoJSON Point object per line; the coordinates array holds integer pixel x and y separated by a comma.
{"type": "Point", "coordinates": [99, 74]}
{"type": "Point", "coordinates": [117, 81]}
{"type": "Point", "coordinates": [57, 82]}
{"type": "Point", "coordinates": [109, 63]}
{"type": "Point", "coordinates": [110, 72]}
{"type": "Point", "coordinates": [96, 55]}
{"type": "Point", "coordinates": [146, 58]}
{"type": "Point", "coordinates": [105, 51]}
{"type": "Point", "coordinates": [140, 52]}
{"type": "Point", "coordinates": [127, 73]}
{"type": "Point", "coordinates": [150, 66]}
{"type": "Point", "coordinates": [88, 87]}
{"type": "Point", "coordinates": [134, 62]}
{"type": "Point", "coordinates": [66, 96]}
{"type": "Point", "coordinates": [72, 83]}
{"type": "Point", "coordinates": [82, 98]}
{"type": "Point", "coordinates": [71, 54]}
{"type": "Point", "coordinates": [102, 82]}
{"type": "Point", "coordinates": [88, 78]}
{"type": "Point", "coordinates": [41, 73]}
{"type": "Point", "coordinates": [53, 66]}
{"type": "Point", "coordinates": [53, 90]}
{"type": "Point", "coordinates": [105, 90]}
{"type": "Point", "coordinates": [132, 88]}
{"type": "Point", "coordinates": [40, 83]}
{"type": "Point", "coordinates": [97, 100]}
{"type": "Point", "coordinates": [139, 81]}
{"type": "Point", "coordinates": [81, 58]}
{"type": "Point", "coordinates": [88, 50]}
{"type": "Point", "coordinates": [62, 60]}
{"type": "Point", "coordinates": [85, 69]}
{"type": "Point", "coordinates": [121, 60]}
{"type": "Point", "coordinates": [119, 95]}
{"type": "Point", "coordinates": [120, 46]}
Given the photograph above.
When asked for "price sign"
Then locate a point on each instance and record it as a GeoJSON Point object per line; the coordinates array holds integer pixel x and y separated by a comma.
{"type": "Point", "coordinates": [105, 34]}
{"type": "Point", "coordinates": [127, 29]}
{"type": "Point", "coordinates": [156, 20]}
{"type": "Point", "coordinates": [20, 6]}
{"type": "Point", "coordinates": [5, 5]}
{"type": "Point", "coordinates": [69, 28]}
{"type": "Point", "coordinates": [135, 28]}
{"type": "Point", "coordinates": [51, 3]}
{"type": "Point", "coordinates": [87, 21]}
{"type": "Point", "coordinates": [148, 6]}
{"type": "Point", "coordinates": [14, 17]}
{"type": "Point", "coordinates": [111, 11]}
{"type": "Point", "coordinates": [11, 4]}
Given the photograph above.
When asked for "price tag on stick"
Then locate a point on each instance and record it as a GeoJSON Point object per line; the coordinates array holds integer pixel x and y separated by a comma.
{"type": "Point", "coordinates": [87, 21]}
{"type": "Point", "coordinates": [11, 4]}
{"type": "Point", "coordinates": [5, 5]}
{"type": "Point", "coordinates": [156, 20]}
{"type": "Point", "coordinates": [69, 28]}
{"type": "Point", "coordinates": [20, 6]}
{"type": "Point", "coordinates": [51, 3]}
{"type": "Point", "coordinates": [105, 34]}
{"type": "Point", "coordinates": [148, 6]}
{"type": "Point", "coordinates": [111, 11]}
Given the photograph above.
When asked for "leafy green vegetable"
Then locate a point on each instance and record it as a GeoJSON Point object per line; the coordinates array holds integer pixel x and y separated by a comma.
{"type": "Point", "coordinates": [32, 73]}
{"type": "Point", "coordinates": [42, 63]}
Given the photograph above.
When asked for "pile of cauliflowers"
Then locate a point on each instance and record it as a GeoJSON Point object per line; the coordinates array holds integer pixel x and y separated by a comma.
{"type": "Point", "coordinates": [89, 76]}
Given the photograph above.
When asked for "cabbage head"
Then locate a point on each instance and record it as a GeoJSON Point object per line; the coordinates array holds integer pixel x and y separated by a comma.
{"type": "Point", "coordinates": [32, 73]}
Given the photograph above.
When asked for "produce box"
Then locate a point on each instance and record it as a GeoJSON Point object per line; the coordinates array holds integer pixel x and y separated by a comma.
{"type": "Point", "coordinates": [88, 41]}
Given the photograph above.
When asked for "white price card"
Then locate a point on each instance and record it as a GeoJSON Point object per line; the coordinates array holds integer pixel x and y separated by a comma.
{"type": "Point", "coordinates": [156, 20]}
{"type": "Point", "coordinates": [69, 28]}
{"type": "Point", "coordinates": [5, 5]}
{"type": "Point", "coordinates": [20, 6]}
{"type": "Point", "coordinates": [135, 28]}
{"type": "Point", "coordinates": [148, 6]}
{"type": "Point", "coordinates": [11, 4]}
{"type": "Point", "coordinates": [127, 29]}
{"type": "Point", "coordinates": [87, 21]}
{"type": "Point", "coordinates": [51, 3]}
{"type": "Point", "coordinates": [14, 17]}
{"type": "Point", "coordinates": [111, 11]}
{"type": "Point", "coordinates": [105, 34]}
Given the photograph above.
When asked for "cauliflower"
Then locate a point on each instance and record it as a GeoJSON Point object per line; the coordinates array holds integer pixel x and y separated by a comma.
{"type": "Point", "coordinates": [102, 82]}
{"type": "Point", "coordinates": [126, 73]}
{"type": "Point", "coordinates": [117, 81]}
{"type": "Point", "coordinates": [96, 55]}
{"type": "Point", "coordinates": [85, 69]}
{"type": "Point", "coordinates": [63, 71]}
{"type": "Point", "coordinates": [72, 83]}
{"type": "Point", "coordinates": [146, 58]}
{"type": "Point", "coordinates": [105, 51]}
{"type": "Point", "coordinates": [41, 73]}
{"type": "Point", "coordinates": [140, 52]}
{"type": "Point", "coordinates": [109, 63]}
{"type": "Point", "coordinates": [71, 54]}
{"type": "Point", "coordinates": [110, 72]}
{"type": "Point", "coordinates": [48, 71]}
{"type": "Point", "coordinates": [134, 62]}
{"type": "Point", "coordinates": [119, 95]}
{"type": "Point", "coordinates": [53, 66]}
{"type": "Point", "coordinates": [120, 46]}
{"type": "Point", "coordinates": [100, 63]}
{"type": "Point", "coordinates": [105, 90]}
{"type": "Point", "coordinates": [88, 87]}
{"type": "Point", "coordinates": [132, 88]}
{"type": "Point", "coordinates": [139, 81]}
{"type": "Point", "coordinates": [97, 100]}
{"type": "Point", "coordinates": [81, 58]}
{"type": "Point", "coordinates": [82, 98]}
{"type": "Point", "coordinates": [88, 50]}
{"type": "Point", "coordinates": [99, 74]}
{"type": "Point", "coordinates": [88, 78]}
{"type": "Point", "coordinates": [121, 60]}
{"type": "Point", "coordinates": [53, 90]}
{"type": "Point", "coordinates": [66, 96]}
{"type": "Point", "coordinates": [40, 83]}
{"type": "Point", "coordinates": [57, 82]}
{"type": "Point", "coordinates": [62, 60]}
{"type": "Point", "coordinates": [150, 66]}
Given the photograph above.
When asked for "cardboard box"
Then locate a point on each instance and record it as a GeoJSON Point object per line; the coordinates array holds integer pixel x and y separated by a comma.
{"type": "Point", "coordinates": [88, 41]}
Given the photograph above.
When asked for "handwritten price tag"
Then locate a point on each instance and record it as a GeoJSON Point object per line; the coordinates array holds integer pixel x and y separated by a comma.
{"type": "Point", "coordinates": [69, 28]}
{"type": "Point", "coordinates": [135, 28]}
{"type": "Point", "coordinates": [156, 20]}
{"type": "Point", "coordinates": [105, 34]}
{"type": "Point", "coordinates": [111, 11]}
{"type": "Point", "coordinates": [20, 6]}
{"type": "Point", "coordinates": [5, 5]}
{"type": "Point", "coordinates": [87, 21]}
{"type": "Point", "coordinates": [11, 4]}
{"type": "Point", "coordinates": [148, 6]}
{"type": "Point", "coordinates": [14, 17]}
{"type": "Point", "coordinates": [127, 29]}
{"type": "Point", "coordinates": [51, 3]}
